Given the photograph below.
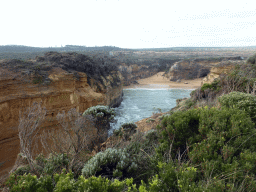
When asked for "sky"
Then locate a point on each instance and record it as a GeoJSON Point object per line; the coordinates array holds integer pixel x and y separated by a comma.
{"type": "Point", "coordinates": [128, 23]}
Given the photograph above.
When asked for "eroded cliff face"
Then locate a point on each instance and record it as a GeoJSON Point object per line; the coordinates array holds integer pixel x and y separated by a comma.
{"type": "Point", "coordinates": [65, 91]}
{"type": "Point", "coordinates": [189, 69]}
{"type": "Point", "coordinates": [134, 72]}
{"type": "Point", "coordinates": [195, 68]}
{"type": "Point", "coordinates": [222, 68]}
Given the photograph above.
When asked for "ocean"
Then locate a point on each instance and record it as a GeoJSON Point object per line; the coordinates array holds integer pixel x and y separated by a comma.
{"type": "Point", "coordinates": [140, 103]}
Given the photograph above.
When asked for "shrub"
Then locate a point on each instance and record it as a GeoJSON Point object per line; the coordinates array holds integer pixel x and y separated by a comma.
{"type": "Point", "coordinates": [55, 163]}
{"type": "Point", "coordinates": [181, 126]}
{"type": "Point", "coordinates": [215, 86]}
{"type": "Point", "coordinates": [110, 163]}
{"type": "Point", "coordinates": [22, 170]}
{"type": "Point", "coordinates": [129, 126]}
{"type": "Point", "coordinates": [100, 111]}
{"type": "Point", "coordinates": [103, 114]}
{"type": "Point", "coordinates": [219, 141]}
{"type": "Point", "coordinates": [252, 59]}
{"type": "Point", "coordinates": [127, 129]}
{"type": "Point", "coordinates": [242, 101]}
{"type": "Point", "coordinates": [29, 183]}
{"type": "Point", "coordinates": [44, 166]}
{"type": "Point", "coordinates": [189, 103]}
{"type": "Point", "coordinates": [98, 184]}
{"type": "Point", "coordinates": [227, 133]}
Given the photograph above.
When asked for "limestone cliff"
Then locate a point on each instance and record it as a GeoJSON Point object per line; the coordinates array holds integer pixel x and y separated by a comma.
{"type": "Point", "coordinates": [194, 68]}
{"type": "Point", "coordinates": [134, 72]}
{"type": "Point", "coordinates": [57, 89]}
{"type": "Point", "coordinates": [222, 67]}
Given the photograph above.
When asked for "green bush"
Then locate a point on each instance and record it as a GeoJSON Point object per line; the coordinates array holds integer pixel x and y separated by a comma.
{"type": "Point", "coordinates": [103, 114]}
{"type": "Point", "coordinates": [100, 111]}
{"type": "Point", "coordinates": [125, 130]}
{"type": "Point", "coordinates": [220, 142]}
{"type": "Point", "coordinates": [22, 170]}
{"type": "Point", "coordinates": [29, 183]}
{"type": "Point", "coordinates": [129, 126]}
{"type": "Point", "coordinates": [181, 126]}
{"type": "Point", "coordinates": [242, 101]}
{"type": "Point", "coordinates": [129, 129]}
{"type": "Point", "coordinates": [66, 182]}
{"type": "Point", "coordinates": [55, 163]}
{"type": "Point", "coordinates": [151, 141]}
{"type": "Point", "coordinates": [189, 103]}
{"type": "Point", "coordinates": [111, 163]}
{"type": "Point", "coordinates": [213, 86]}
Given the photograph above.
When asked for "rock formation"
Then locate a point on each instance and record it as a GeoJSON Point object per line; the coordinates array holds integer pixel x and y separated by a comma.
{"type": "Point", "coordinates": [222, 67]}
{"type": "Point", "coordinates": [134, 72]}
{"type": "Point", "coordinates": [58, 85]}
{"type": "Point", "coordinates": [195, 68]}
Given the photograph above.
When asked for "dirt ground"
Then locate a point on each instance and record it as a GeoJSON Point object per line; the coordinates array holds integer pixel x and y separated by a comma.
{"type": "Point", "coordinates": [159, 81]}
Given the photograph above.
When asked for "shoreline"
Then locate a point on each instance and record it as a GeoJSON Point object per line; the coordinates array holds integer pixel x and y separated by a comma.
{"type": "Point", "coordinates": [159, 81]}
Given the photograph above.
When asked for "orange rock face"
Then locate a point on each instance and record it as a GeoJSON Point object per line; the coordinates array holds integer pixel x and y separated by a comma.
{"type": "Point", "coordinates": [223, 67]}
{"type": "Point", "coordinates": [63, 93]}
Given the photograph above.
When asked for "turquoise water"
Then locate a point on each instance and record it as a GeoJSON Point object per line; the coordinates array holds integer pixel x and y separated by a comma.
{"type": "Point", "coordinates": [140, 103]}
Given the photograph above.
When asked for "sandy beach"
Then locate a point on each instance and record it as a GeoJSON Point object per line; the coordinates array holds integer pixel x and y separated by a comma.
{"type": "Point", "coordinates": [159, 81]}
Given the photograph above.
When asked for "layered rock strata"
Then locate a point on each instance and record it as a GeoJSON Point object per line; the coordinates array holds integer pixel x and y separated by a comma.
{"type": "Point", "coordinates": [135, 72]}
{"type": "Point", "coordinates": [195, 68]}
{"type": "Point", "coordinates": [222, 68]}
{"type": "Point", "coordinates": [65, 91]}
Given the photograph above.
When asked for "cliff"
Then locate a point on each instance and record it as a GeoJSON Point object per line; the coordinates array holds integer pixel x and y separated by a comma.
{"type": "Point", "coordinates": [220, 68]}
{"type": "Point", "coordinates": [133, 72]}
{"type": "Point", "coordinates": [58, 85]}
{"type": "Point", "coordinates": [194, 68]}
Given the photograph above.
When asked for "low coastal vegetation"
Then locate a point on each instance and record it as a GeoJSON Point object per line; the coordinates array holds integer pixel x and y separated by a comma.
{"type": "Point", "coordinates": [206, 143]}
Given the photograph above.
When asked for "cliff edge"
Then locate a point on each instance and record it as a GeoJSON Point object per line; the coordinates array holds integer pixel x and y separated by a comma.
{"type": "Point", "coordinates": [60, 82]}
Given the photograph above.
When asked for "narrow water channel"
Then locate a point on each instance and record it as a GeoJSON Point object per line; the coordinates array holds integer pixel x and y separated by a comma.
{"type": "Point", "coordinates": [140, 103]}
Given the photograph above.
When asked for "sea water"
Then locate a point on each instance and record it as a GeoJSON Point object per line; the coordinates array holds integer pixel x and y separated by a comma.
{"type": "Point", "coordinates": [141, 103]}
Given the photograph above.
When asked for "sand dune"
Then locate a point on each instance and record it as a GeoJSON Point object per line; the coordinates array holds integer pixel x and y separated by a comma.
{"type": "Point", "coordinates": [159, 81]}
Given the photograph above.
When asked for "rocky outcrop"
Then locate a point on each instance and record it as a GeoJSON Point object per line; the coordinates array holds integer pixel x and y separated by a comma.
{"type": "Point", "coordinates": [135, 72]}
{"type": "Point", "coordinates": [58, 88]}
{"type": "Point", "coordinates": [195, 68]}
{"type": "Point", "coordinates": [222, 68]}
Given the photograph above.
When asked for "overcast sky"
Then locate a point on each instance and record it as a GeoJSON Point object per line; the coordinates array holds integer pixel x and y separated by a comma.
{"type": "Point", "coordinates": [128, 23]}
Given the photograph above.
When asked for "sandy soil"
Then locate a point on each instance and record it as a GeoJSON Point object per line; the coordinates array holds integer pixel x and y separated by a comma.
{"type": "Point", "coordinates": [159, 81]}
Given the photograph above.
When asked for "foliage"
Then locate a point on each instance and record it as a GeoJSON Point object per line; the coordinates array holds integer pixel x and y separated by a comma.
{"type": "Point", "coordinates": [101, 112]}
{"type": "Point", "coordinates": [126, 130]}
{"type": "Point", "coordinates": [111, 162]}
{"type": "Point", "coordinates": [29, 183]}
{"type": "Point", "coordinates": [214, 86]}
{"type": "Point", "coordinates": [241, 79]}
{"type": "Point", "coordinates": [129, 126]}
{"type": "Point", "coordinates": [222, 138]}
{"type": "Point", "coordinates": [66, 182]}
{"type": "Point", "coordinates": [179, 127]}
{"type": "Point", "coordinates": [242, 101]}
{"type": "Point", "coordinates": [252, 59]}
